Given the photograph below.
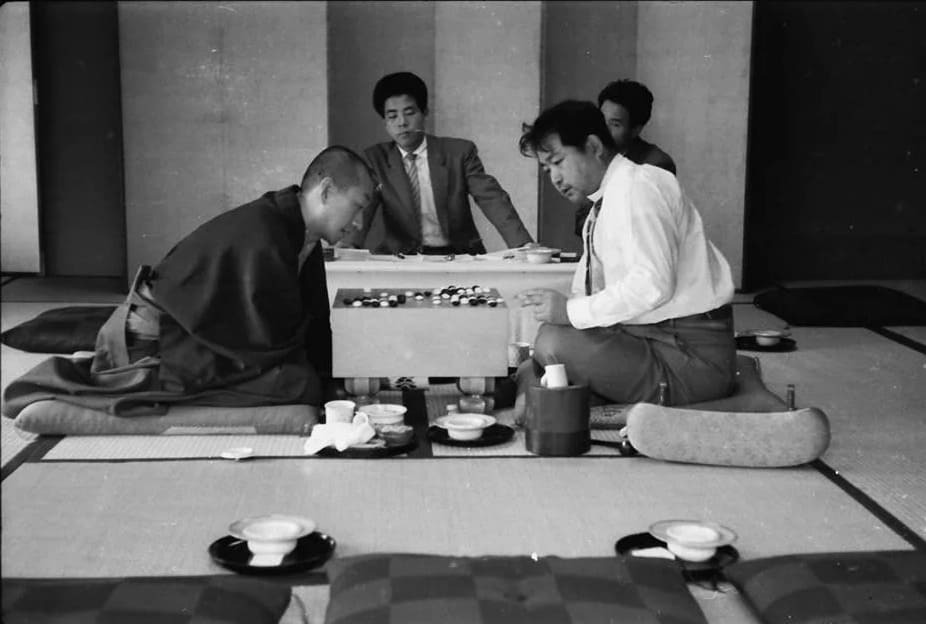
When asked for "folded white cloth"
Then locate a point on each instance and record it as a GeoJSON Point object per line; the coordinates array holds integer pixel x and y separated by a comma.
{"type": "Point", "coordinates": [340, 435]}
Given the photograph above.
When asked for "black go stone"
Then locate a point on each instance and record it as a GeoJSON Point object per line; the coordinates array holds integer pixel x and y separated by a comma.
{"type": "Point", "coordinates": [455, 302]}
{"type": "Point", "coordinates": [427, 293]}
{"type": "Point", "coordinates": [473, 302]}
{"type": "Point", "coordinates": [348, 301]}
{"type": "Point", "coordinates": [493, 303]}
{"type": "Point", "coordinates": [401, 298]}
{"type": "Point", "coordinates": [393, 303]}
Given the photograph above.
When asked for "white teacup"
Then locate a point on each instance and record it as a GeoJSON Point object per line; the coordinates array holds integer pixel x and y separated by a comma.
{"type": "Point", "coordinates": [270, 538]}
{"type": "Point", "coordinates": [692, 542]}
{"type": "Point", "coordinates": [554, 376]}
{"type": "Point", "coordinates": [339, 411]}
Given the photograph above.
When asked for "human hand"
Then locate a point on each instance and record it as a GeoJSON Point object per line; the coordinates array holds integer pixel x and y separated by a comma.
{"type": "Point", "coordinates": [549, 306]}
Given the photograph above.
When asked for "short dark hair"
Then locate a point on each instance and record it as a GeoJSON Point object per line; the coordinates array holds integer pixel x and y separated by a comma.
{"type": "Point", "coordinates": [635, 97]}
{"type": "Point", "coordinates": [574, 121]}
{"type": "Point", "coordinates": [343, 165]}
{"type": "Point", "coordinates": [400, 83]}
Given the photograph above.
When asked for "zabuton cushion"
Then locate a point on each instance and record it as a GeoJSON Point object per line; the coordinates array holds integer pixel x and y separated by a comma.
{"type": "Point", "coordinates": [883, 587]}
{"type": "Point", "coordinates": [412, 589]}
{"type": "Point", "coordinates": [61, 330]}
{"type": "Point", "coordinates": [61, 418]}
{"type": "Point", "coordinates": [167, 600]}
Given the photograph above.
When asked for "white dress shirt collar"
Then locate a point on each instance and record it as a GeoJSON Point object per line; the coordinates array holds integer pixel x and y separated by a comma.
{"type": "Point", "coordinates": [421, 151]}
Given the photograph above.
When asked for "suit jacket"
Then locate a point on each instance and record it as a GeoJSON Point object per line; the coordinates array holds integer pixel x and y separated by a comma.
{"type": "Point", "coordinates": [456, 173]}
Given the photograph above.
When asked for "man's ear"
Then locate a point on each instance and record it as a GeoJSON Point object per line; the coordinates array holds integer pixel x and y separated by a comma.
{"type": "Point", "coordinates": [326, 187]}
{"type": "Point", "coordinates": [594, 145]}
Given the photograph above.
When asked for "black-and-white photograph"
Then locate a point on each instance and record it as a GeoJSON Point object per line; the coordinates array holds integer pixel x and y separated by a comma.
{"type": "Point", "coordinates": [463, 312]}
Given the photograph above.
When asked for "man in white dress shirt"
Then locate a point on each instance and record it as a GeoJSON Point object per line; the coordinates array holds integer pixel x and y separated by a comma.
{"type": "Point", "coordinates": [650, 296]}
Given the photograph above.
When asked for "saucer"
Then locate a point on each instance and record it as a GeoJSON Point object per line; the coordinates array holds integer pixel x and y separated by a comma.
{"type": "Point", "coordinates": [369, 451]}
{"type": "Point", "coordinates": [311, 551]}
{"type": "Point", "coordinates": [237, 453]}
{"type": "Point", "coordinates": [693, 571]}
{"type": "Point", "coordinates": [491, 435]}
{"type": "Point", "coordinates": [725, 536]}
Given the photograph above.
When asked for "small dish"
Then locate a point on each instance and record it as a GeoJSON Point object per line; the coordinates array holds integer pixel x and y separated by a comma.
{"type": "Point", "coordinates": [384, 413]}
{"type": "Point", "coordinates": [768, 337]}
{"type": "Point", "coordinates": [465, 426]}
{"type": "Point", "coordinates": [539, 255]}
{"type": "Point", "coordinates": [311, 551]}
{"type": "Point", "coordinates": [639, 544]}
{"type": "Point", "coordinates": [396, 435]}
{"type": "Point", "coordinates": [491, 435]}
{"type": "Point", "coordinates": [748, 342]}
{"type": "Point", "coordinates": [374, 449]}
{"type": "Point", "coordinates": [237, 453]}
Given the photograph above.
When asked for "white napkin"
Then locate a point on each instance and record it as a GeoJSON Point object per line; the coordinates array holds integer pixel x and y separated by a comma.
{"type": "Point", "coordinates": [340, 435]}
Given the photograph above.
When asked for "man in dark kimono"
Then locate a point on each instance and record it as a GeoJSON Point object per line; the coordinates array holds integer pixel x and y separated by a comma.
{"type": "Point", "coordinates": [236, 314]}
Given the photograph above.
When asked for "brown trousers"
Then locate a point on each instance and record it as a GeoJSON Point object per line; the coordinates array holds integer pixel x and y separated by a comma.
{"type": "Point", "coordinates": [695, 356]}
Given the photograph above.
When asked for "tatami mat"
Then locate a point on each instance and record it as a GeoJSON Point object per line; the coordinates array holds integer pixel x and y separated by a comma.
{"type": "Point", "coordinates": [134, 447]}
{"type": "Point", "coordinates": [874, 392]}
{"type": "Point", "coordinates": [159, 518]}
{"type": "Point", "coordinates": [872, 389]}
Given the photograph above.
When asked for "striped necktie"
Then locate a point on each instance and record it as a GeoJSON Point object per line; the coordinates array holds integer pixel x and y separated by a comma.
{"type": "Point", "coordinates": [589, 250]}
{"type": "Point", "coordinates": [411, 168]}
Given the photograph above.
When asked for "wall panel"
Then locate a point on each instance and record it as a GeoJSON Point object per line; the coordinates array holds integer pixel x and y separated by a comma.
{"type": "Point", "coordinates": [695, 58]}
{"type": "Point", "coordinates": [585, 46]}
{"type": "Point", "coordinates": [368, 40]}
{"type": "Point", "coordinates": [19, 203]}
{"type": "Point", "coordinates": [221, 102]}
{"type": "Point", "coordinates": [487, 82]}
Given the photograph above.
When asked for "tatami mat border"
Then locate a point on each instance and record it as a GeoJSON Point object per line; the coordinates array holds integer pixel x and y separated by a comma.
{"type": "Point", "coordinates": [900, 339]}
{"type": "Point", "coordinates": [863, 499]}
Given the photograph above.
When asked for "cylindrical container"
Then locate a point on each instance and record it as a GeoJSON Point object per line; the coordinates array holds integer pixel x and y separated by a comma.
{"type": "Point", "coordinates": [557, 420]}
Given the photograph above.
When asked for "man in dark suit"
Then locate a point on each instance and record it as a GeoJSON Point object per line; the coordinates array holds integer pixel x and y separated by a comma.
{"type": "Point", "coordinates": [427, 181]}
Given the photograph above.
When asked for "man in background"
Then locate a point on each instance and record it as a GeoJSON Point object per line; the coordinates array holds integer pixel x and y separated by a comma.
{"type": "Point", "coordinates": [627, 107]}
{"type": "Point", "coordinates": [427, 182]}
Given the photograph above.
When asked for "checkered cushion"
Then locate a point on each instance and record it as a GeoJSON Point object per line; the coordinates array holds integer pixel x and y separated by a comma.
{"type": "Point", "coordinates": [410, 589]}
{"type": "Point", "coordinates": [167, 600]}
{"type": "Point", "coordinates": [887, 587]}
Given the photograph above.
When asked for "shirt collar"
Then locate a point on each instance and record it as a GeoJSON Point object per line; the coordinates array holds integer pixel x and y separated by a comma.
{"type": "Point", "coordinates": [420, 151]}
{"type": "Point", "coordinates": [609, 172]}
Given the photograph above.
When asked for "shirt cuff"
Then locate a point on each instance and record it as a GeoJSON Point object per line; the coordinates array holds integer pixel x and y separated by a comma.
{"type": "Point", "coordinates": [578, 309]}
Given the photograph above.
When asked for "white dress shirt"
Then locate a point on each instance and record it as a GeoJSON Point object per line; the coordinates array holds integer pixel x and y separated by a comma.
{"type": "Point", "coordinates": [649, 259]}
{"type": "Point", "coordinates": [431, 233]}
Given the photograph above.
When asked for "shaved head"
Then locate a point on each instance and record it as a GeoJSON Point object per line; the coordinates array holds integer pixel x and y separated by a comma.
{"type": "Point", "coordinates": [343, 166]}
